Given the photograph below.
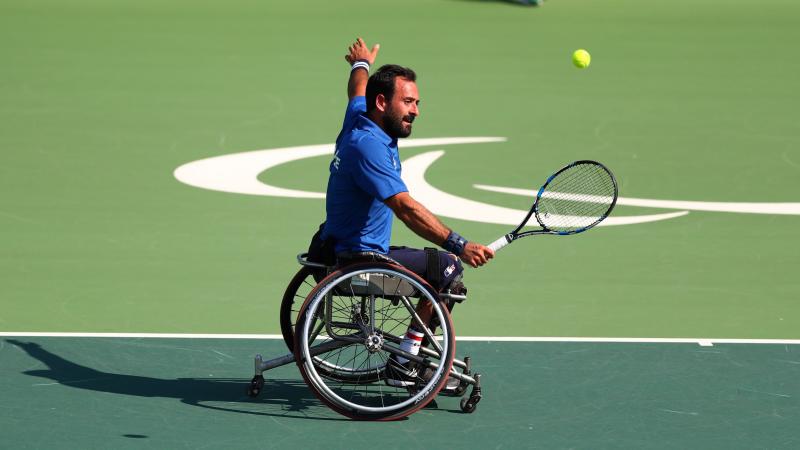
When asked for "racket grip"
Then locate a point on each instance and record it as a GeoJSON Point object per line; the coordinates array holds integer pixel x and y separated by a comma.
{"type": "Point", "coordinates": [500, 243]}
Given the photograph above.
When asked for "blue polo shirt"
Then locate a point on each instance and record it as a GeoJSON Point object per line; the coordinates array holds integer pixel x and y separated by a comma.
{"type": "Point", "coordinates": [364, 172]}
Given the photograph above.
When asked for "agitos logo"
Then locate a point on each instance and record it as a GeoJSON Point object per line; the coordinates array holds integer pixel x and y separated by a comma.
{"type": "Point", "coordinates": [238, 173]}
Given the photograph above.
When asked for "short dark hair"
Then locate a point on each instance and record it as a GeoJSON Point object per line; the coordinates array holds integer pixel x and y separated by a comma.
{"type": "Point", "coordinates": [382, 82]}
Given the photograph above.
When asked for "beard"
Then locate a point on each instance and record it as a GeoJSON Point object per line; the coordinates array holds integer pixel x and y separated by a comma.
{"type": "Point", "coordinates": [397, 125]}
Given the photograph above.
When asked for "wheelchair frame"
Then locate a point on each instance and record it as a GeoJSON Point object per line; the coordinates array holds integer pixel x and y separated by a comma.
{"type": "Point", "coordinates": [361, 285]}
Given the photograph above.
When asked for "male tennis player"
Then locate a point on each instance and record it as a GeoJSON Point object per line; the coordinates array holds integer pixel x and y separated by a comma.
{"type": "Point", "coordinates": [365, 188]}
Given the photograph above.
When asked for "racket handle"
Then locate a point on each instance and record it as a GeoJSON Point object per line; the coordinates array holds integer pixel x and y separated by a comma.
{"type": "Point", "coordinates": [500, 243]}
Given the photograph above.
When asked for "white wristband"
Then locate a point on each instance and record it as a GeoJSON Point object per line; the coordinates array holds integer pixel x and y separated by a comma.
{"type": "Point", "coordinates": [360, 64]}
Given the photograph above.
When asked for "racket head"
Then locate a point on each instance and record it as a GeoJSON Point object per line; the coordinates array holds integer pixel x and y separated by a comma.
{"type": "Point", "coordinates": [576, 198]}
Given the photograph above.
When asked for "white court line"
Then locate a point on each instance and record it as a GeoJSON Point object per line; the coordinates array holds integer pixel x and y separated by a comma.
{"type": "Point", "coordinates": [141, 335]}
{"type": "Point", "coordinates": [704, 342]}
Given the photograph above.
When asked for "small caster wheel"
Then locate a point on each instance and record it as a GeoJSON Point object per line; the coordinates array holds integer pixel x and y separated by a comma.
{"type": "Point", "coordinates": [468, 404]}
{"type": "Point", "coordinates": [256, 384]}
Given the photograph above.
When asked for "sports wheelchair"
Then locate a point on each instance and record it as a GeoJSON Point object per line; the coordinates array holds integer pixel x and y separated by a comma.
{"type": "Point", "coordinates": [342, 330]}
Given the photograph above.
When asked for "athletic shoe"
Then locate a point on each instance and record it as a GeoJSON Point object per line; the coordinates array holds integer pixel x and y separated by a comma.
{"type": "Point", "coordinates": [451, 384]}
{"type": "Point", "coordinates": [406, 375]}
{"type": "Point", "coordinates": [401, 375]}
{"type": "Point", "coordinates": [450, 387]}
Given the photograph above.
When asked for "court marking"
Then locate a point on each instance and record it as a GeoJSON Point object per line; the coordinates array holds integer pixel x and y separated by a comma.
{"type": "Point", "coordinates": [703, 342]}
{"type": "Point", "coordinates": [730, 207]}
{"type": "Point", "coordinates": [238, 173]}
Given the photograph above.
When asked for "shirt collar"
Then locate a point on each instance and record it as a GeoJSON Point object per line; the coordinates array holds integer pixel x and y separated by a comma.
{"type": "Point", "coordinates": [368, 125]}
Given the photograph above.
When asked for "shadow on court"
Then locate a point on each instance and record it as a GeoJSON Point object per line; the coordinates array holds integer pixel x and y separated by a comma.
{"type": "Point", "coordinates": [291, 396]}
{"type": "Point", "coordinates": [509, 2]}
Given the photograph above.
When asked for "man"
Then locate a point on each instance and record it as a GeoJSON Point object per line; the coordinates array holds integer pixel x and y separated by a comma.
{"type": "Point", "coordinates": [365, 189]}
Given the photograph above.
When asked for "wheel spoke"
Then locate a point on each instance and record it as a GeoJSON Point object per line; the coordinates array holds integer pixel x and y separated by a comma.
{"type": "Point", "coordinates": [352, 377]}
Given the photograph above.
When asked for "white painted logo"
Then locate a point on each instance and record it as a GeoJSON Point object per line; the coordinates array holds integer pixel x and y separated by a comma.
{"type": "Point", "coordinates": [238, 173]}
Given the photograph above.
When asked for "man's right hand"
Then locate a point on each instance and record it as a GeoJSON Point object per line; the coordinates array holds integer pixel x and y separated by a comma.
{"type": "Point", "coordinates": [476, 254]}
{"type": "Point", "coordinates": [359, 50]}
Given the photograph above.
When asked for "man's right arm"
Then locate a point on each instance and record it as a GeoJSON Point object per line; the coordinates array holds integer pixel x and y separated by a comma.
{"type": "Point", "coordinates": [427, 226]}
{"type": "Point", "coordinates": [357, 84]}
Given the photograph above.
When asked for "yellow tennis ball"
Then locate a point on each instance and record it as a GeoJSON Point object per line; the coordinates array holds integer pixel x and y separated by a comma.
{"type": "Point", "coordinates": [581, 58]}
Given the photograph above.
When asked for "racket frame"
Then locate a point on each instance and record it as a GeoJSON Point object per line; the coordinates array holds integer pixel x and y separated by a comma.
{"type": "Point", "coordinates": [514, 235]}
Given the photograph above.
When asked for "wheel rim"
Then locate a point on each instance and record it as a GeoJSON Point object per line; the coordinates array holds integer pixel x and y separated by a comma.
{"type": "Point", "coordinates": [391, 321]}
{"type": "Point", "coordinates": [300, 286]}
{"type": "Point", "coordinates": [298, 290]}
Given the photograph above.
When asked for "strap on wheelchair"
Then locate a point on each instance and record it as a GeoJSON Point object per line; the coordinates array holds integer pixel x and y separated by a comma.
{"type": "Point", "coordinates": [346, 258]}
{"type": "Point", "coordinates": [432, 267]}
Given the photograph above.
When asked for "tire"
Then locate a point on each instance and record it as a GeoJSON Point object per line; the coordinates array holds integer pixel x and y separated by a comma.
{"type": "Point", "coordinates": [296, 292]}
{"type": "Point", "coordinates": [352, 300]}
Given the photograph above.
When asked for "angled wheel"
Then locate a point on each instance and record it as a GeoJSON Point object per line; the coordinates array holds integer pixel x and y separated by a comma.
{"type": "Point", "coordinates": [354, 321]}
{"type": "Point", "coordinates": [296, 292]}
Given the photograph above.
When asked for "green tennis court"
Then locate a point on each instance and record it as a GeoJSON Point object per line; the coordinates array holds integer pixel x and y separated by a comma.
{"type": "Point", "coordinates": [87, 393]}
{"type": "Point", "coordinates": [692, 104]}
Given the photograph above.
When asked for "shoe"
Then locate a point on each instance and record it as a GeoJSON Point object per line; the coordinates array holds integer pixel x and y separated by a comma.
{"type": "Point", "coordinates": [451, 387]}
{"type": "Point", "coordinates": [406, 375]}
{"type": "Point", "coordinates": [401, 375]}
{"type": "Point", "coordinates": [452, 384]}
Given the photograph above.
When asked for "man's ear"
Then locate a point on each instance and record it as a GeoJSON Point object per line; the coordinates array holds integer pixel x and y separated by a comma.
{"type": "Point", "coordinates": [380, 102]}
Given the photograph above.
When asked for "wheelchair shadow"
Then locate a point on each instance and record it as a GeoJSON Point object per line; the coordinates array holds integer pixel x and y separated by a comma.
{"type": "Point", "coordinates": [508, 2]}
{"type": "Point", "coordinates": [292, 396]}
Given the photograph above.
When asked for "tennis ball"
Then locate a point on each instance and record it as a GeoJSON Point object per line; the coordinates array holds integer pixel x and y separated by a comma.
{"type": "Point", "coordinates": [581, 58]}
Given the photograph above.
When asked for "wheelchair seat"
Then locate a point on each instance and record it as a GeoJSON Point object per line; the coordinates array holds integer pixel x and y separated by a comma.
{"type": "Point", "coordinates": [347, 258]}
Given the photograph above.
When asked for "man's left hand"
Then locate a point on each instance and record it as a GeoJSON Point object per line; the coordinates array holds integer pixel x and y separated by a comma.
{"type": "Point", "coordinates": [359, 50]}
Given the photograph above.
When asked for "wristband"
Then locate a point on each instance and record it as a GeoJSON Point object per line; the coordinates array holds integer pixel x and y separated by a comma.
{"type": "Point", "coordinates": [454, 243]}
{"type": "Point", "coordinates": [360, 63]}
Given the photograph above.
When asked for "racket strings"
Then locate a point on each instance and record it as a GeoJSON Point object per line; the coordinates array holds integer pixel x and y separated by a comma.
{"type": "Point", "coordinates": [578, 197]}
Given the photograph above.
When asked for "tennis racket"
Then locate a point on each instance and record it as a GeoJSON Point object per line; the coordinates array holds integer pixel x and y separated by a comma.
{"type": "Point", "coordinates": [571, 201]}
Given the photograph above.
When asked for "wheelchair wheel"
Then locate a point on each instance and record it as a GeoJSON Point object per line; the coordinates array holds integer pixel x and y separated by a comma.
{"type": "Point", "coordinates": [296, 292]}
{"type": "Point", "coordinates": [354, 321]}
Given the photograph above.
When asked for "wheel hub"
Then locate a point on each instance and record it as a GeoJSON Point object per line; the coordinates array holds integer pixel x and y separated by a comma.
{"type": "Point", "coordinates": [374, 342]}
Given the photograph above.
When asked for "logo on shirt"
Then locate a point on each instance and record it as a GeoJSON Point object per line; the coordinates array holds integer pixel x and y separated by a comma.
{"type": "Point", "coordinates": [336, 160]}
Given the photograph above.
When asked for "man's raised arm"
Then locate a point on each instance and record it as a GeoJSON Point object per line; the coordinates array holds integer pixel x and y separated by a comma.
{"type": "Point", "coordinates": [359, 52]}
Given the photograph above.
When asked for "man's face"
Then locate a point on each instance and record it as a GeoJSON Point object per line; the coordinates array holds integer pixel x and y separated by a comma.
{"type": "Point", "coordinates": [402, 109]}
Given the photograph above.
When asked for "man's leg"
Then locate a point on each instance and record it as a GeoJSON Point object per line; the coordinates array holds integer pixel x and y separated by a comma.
{"type": "Point", "coordinates": [416, 260]}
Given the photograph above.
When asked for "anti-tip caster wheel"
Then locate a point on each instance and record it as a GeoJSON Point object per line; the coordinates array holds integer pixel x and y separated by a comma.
{"type": "Point", "coordinates": [468, 404]}
{"type": "Point", "coordinates": [256, 384]}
